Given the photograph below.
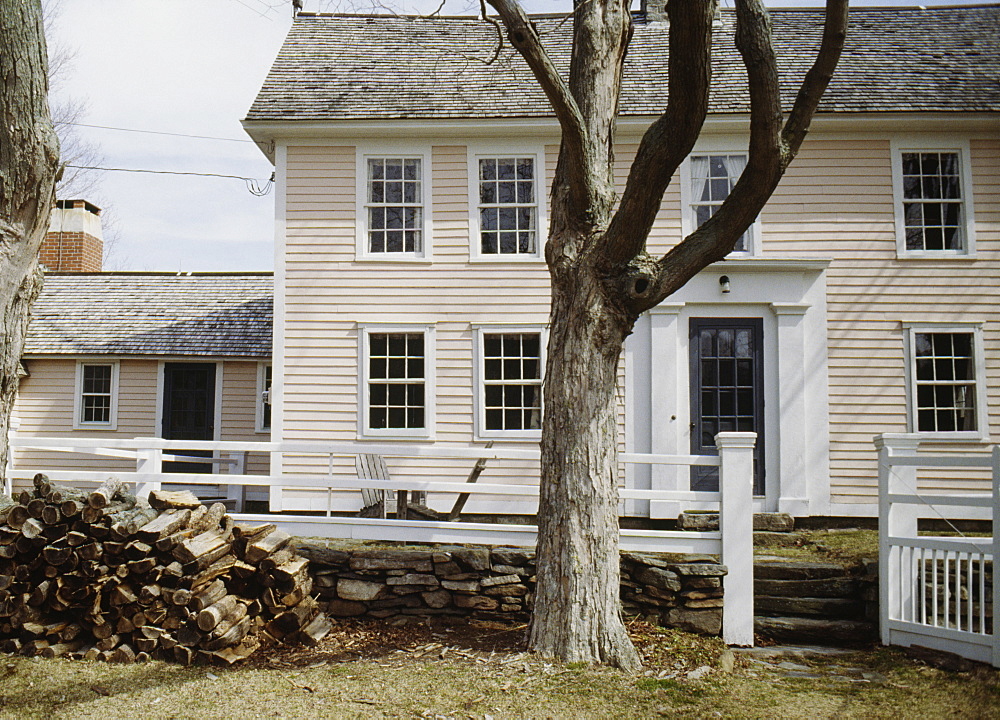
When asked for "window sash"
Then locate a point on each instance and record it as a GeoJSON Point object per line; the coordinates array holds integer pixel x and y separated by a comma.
{"type": "Point", "coordinates": [713, 177]}
{"type": "Point", "coordinates": [511, 396]}
{"type": "Point", "coordinates": [396, 381]}
{"type": "Point", "coordinates": [933, 202]}
{"type": "Point", "coordinates": [96, 394]}
{"type": "Point", "coordinates": [945, 386]}
{"type": "Point", "coordinates": [508, 208]}
{"type": "Point", "coordinates": [394, 205]}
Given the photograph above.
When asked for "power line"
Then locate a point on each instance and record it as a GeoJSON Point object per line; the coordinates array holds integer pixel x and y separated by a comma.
{"type": "Point", "coordinates": [156, 132]}
{"type": "Point", "coordinates": [253, 185]}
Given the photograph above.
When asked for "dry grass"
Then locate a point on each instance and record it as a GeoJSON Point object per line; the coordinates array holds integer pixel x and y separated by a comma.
{"type": "Point", "coordinates": [479, 671]}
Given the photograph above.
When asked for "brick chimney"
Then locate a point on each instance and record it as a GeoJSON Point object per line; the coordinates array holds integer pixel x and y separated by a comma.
{"type": "Point", "coordinates": [74, 242]}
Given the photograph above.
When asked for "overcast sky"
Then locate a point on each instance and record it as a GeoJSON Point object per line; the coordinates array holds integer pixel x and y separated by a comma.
{"type": "Point", "coordinates": [189, 67]}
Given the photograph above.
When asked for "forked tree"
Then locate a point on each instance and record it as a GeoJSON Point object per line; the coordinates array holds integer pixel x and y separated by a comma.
{"type": "Point", "coordinates": [603, 278]}
{"type": "Point", "coordinates": [29, 164]}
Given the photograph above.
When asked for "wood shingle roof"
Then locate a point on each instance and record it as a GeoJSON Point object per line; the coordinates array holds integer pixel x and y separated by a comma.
{"type": "Point", "coordinates": [206, 314]}
{"type": "Point", "coordinates": [342, 67]}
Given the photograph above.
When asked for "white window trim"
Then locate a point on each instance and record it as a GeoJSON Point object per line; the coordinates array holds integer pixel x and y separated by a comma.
{"type": "Point", "coordinates": [393, 150]}
{"type": "Point", "coordinates": [430, 363]}
{"type": "Point", "coordinates": [78, 422]}
{"type": "Point", "coordinates": [261, 389]}
{"type": "Point", "coordinates": [479, 375]}
{"type": "Point", "coordinates": [979, 358]}
{"type": "Point", "coordinates": [688, 223]}
{"type": "Point", "coordinates": [923, 144]}
{"type": "Point", "coordinates": [536, 151]}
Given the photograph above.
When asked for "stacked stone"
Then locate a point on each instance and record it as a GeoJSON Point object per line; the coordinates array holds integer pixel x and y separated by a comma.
{"type": "Point", "coordinates": [674, 590]}
{"type": "Point", "coordinates": [383, 583]}
{"type": "Point", "coordinates": [683, 591]}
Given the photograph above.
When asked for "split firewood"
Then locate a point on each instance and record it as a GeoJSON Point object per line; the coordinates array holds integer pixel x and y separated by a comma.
{"type": "Point", "coordinates": [210, 520]}
{"type": "Point", "coordinates": [105, 492]}
{"type": "Point", "coordinates": [207, 596]}
{"type": "Point", "coordinates": [36, 506]}
{"type": "Point", "coordinates": [164, 524]}
{"type": "Point", "coordinates": [6, 503]}
{"type": "Point", "coordinates": [32, 528]}
{"type": "Point", "coordinates": [173, 499]}
{"type": "Point", "coordinates": [202, 550]}
{"type": "Point", "coordinates": [17, 515]}
{"type": "Point", "coordinates": [262, 547]}
{"type": "Point", "coordinates": [218, 611]}
{"type": "Point", "coordinates": [124, 582]}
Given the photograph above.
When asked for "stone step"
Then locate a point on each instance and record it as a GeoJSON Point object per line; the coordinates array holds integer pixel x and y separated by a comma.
{"type": "Point", "coordinates": [826, 607]}
{"type": "Point", "coordinates": [773, 568]}
{"type": "Point", "coordinates": [818, 588]}
{"type": "Point", "coordinates": [773, 522]}
{"type": "Point", "coordinates": [843, 633]}
{"type": "Point", "coordinates": [768, 538]}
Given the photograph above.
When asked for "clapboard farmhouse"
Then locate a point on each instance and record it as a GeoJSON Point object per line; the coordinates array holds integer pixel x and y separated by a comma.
{"type": "Point", "coordinates": [411, 293]}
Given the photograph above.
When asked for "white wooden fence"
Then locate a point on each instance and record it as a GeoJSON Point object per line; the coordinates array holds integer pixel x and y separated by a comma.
{"type": "Point", "coordinates": [937, 592]}
{"type": "Point", "coordinates": [733, 542]}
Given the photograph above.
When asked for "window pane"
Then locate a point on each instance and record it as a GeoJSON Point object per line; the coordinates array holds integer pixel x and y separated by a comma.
{"type": "Point", "coordinates": [512, 381]}
{"type": "Point", "coordinates": [945, 387]}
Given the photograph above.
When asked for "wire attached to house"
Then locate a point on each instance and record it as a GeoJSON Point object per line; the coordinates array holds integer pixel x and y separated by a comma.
{"type": "Point", "coordinates": [159, 132]}
{"type": "Point", "coordinates": [254, 186]}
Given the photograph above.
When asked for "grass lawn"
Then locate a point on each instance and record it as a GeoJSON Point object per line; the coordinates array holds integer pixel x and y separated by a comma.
{"type": "Point", "coordinates": [478, 671]}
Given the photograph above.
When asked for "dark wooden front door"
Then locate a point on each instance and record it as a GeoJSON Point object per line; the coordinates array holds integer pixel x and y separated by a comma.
{"type": "Point", "coordinates": [189, 410]}
{"type": "Point", "coordinates": [727, 390]}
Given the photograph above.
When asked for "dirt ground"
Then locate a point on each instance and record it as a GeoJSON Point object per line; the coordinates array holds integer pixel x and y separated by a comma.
{"type": "Point", "coordinates": [449, 669]}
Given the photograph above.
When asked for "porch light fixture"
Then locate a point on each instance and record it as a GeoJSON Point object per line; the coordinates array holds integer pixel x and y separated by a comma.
{"type": "Point", "coordinates": [724, 283]}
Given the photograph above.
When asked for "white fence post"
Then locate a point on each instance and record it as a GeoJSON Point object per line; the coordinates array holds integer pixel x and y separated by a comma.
{"type": "Point", "coordinates": [736, 528]}
{"type": "Point", "coordinates": [237, 466]}
{"type": "Point", "coordinates": [148, 460]}
{"type": "Point", "coordinates": [996, 556]}
{"type": "Point", "coordinates": [894, 520]}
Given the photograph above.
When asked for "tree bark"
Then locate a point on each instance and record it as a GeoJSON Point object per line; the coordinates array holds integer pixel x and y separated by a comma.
{"type": "Point", "coordinates": [603, 278]}
{"type": "Point", "coordinates": [29, 161]}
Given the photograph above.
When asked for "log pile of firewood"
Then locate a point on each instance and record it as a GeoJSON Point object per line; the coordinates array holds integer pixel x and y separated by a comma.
{"type": "Point", "coordinates": [102, 575]}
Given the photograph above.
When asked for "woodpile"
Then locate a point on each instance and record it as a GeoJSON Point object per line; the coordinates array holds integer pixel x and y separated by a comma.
{"type": "Point", "coordinates": [102, 575]}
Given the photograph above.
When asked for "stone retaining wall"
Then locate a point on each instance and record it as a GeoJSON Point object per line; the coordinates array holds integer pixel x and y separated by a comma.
{"type": "Point", "coordinates": [682, 591]}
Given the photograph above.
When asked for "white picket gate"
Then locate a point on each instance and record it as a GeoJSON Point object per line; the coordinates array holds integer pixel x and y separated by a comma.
{"type": "Point", "coordinates": [733, 542]}
{"type": "Point", "coordinates": [937, 592]}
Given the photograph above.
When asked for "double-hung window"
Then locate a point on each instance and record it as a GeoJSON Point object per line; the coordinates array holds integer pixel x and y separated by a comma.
{"type": "Point", "coordinates": [510, 387]}
{"type": "Point", "coordinates": [397, 366]}
{"type": "Point", "coordinates": [96, 395]}
{"type": "Point", "coordinates": [933, 202]}
{"type": "Point", "coordinates": [946, 381]}
{"type": "Point", "coordinates": [394, 207]}
{"type": "Point", "coordinates": [507, 216]}
{"type": "Point", "coordinates": [710, 179]}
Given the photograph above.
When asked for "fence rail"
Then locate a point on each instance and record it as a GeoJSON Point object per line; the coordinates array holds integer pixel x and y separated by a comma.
{"type": "Point", "coordinates": [733, 542]}
{"type": "Point", "coordinates": [938, 592]}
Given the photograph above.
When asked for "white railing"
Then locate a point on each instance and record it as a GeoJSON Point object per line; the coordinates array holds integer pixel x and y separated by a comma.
{"type": "Point", "coordinates": [938, 592]}
{"type": "Point", "coordinates": [733, 542]}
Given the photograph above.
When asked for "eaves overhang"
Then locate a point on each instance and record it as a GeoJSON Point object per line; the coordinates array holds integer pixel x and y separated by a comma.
{"type": "Point", "coordinates": [267, 133]}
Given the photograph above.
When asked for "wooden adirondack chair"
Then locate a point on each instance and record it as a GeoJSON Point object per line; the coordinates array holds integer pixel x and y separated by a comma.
{"type": "Point", "coordinates": [378, 502]}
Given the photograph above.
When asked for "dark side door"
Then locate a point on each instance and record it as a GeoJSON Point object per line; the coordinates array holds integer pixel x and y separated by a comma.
{"type": "Point", "coordinates": [189, 409]}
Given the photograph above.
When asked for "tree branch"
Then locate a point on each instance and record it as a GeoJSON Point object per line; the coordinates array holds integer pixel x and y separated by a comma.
{"type": "Point", "coordinates": [524, 38]}
{"type": "Point", "coordinates": [668, 140]}
{"type": "Point", "coordinates": [818, 77]}
{"type": "Point", "coordinates": [773, 145]}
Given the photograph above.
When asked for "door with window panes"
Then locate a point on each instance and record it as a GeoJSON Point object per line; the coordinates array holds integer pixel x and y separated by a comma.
{"type": "Point", "coordinates": [727, 390]}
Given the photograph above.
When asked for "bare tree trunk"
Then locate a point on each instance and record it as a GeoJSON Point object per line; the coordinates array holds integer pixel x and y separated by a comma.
{"type": "Point", "coordinates": [577, 612]}
{"type": "Point", "coordinates": [29, 160]}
